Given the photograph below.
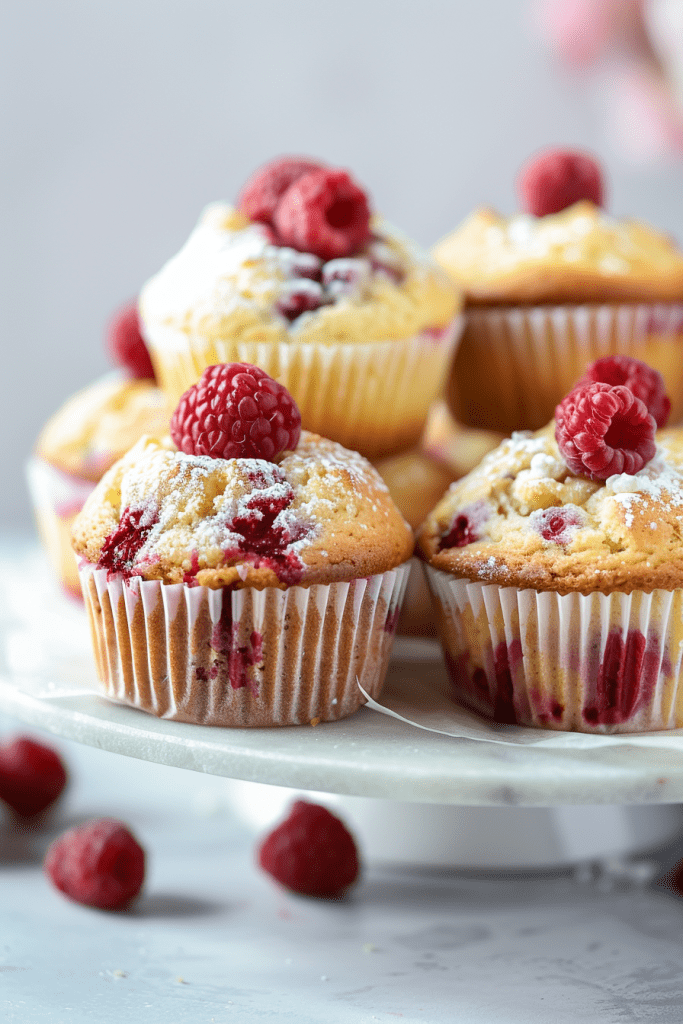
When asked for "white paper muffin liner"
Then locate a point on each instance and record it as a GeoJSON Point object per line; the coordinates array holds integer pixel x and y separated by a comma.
{"type": "Point", "coordinates": [242, 657]}
{"type": "Point", "coordinates": [370, 396]}
{"type": "Point", "coordinates": [516, 363]}
{"type": "Point", "coordinates": [601, 663]}
{"type": "Point", "coordinates": [57, 499]}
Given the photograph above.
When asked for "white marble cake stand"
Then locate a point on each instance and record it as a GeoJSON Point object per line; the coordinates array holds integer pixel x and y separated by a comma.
{"type": "Point", "coordinates": [426, 798]}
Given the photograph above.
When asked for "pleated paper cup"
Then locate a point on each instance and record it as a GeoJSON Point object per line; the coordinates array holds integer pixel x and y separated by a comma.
{"type": "Point", "coordinates": [57, 499]}
{"type": "Point", "coordinates": [370, 396]}
{"type": "Point", "coordinates": [242, 657]}
{"type": "Point", "coordinates": [515, 364]}
{"type": "Point", "coordinates": [599, 663]}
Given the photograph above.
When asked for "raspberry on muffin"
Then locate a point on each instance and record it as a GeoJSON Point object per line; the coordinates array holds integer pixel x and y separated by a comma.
{"type": "Point", "coordinates": [242, 589]}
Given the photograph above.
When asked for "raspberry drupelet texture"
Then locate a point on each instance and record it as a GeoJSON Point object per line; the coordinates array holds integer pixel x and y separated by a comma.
{"type": "Point", "coordinates": [99, 864]}
{"type": "Point", "coordinates": [264, 189]}
{"type": "Point", "coordinates": [236, 411]}
{"type": "Point", "coordinates": [603, 430]}
{"type": "Point", "coordinates": [325, 213]}
{"type": "Point", "coordinates": [646, 383]}
{"type": "Point", "coordinates": [311, 852]}
{"type": "Point", "coordinates": [557, 178]}
{"type": "Point", "coordinates": [126, 345]}
{"type": "Point", "coordinates": [32, 776]}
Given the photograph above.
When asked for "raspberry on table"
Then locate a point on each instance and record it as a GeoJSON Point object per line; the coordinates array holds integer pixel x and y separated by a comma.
{"type": "Point", "coordinates": [556, 178]}
{"type": "Point", "coordinates": [126, 344]}
{"type": "Point", "coordinates": [646, 383]}
{"type": "Point", "coordinates": [99, 864]}
{"type": "Point", "coordinates": [602, 430]}
{"type": "Point", "coordinates": [311, 852]}
{"type": "Point", "coordinates": [261, 194]}
{"type": "Point", "coordinates": [324, 212]}
{"type": "Point", "coordinates": [32, 776]}
{"type": "Point", "coordinates": [236, 411]}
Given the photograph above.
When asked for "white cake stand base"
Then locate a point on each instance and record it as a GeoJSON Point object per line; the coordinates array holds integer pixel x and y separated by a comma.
{"type": "Point", "coordinates": [474, 838]}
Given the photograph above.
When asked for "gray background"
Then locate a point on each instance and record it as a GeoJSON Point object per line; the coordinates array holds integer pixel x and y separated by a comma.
{"type": "Point", "coordinates": [121, 120]}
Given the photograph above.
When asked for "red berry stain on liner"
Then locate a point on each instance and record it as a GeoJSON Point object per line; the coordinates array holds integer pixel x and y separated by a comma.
{"type": "Point", "coordinates": [391, 621]}
{"type": "Point", "coordinates": [626, 679]}
{"type": "Point", "coordinates": [234, 658]}
{"type": "Point", "coordinates": [121, 547]}
{"type": "Point", "coordinates": [492, 697]}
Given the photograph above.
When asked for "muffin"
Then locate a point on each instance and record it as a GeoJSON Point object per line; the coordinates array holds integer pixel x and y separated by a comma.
{"type": "Point", "coordinates": [302, 280]}
{"type": "Point", "coordinates": [250, 589]}
{"type": "Point", "coordinates": [556, 569]}
{"type": "Point", "coordinates": [82, 440]}
{"type": "Point", "coordinates": [550, 290]}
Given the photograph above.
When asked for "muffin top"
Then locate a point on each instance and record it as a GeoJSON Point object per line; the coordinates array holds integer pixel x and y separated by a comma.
{"type": "Point", "coordinates": [318, 514]}
{"type": "Point", "coordinates": [580, 254]}
{"type": "Point", "coordinates": [523, 519]}
{"type": "Point", "coordinates": [233, 279]}
{"type": "Point", "coordinates": [97, 425]}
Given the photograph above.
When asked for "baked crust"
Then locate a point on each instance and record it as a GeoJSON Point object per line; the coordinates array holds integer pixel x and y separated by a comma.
{"type": "Point", "coordinates": [225, 282]}
{"type": "Point", "coordinates": [625, 534]}
{"type": "Point", "coordinates": [580, 255]}
{"type": "Point", "coordinates": [100, 423]}
{"type": "Point", "coordinates": [337, 519]}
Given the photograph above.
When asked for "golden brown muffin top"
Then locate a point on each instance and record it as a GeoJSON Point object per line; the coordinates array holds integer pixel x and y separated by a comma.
{"type": "Point", "coordinates": [228, 280]}
{"type": "Point", "coordinates": [99, 424]}
{"type": "Point", "coordinates": [522, 519]}
{"type": "Point", "coordinates": [320, 514]}
{"type": "Point", "coordinates": [579, 255]}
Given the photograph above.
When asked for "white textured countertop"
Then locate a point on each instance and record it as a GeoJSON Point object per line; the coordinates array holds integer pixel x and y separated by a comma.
{"type": "Point", "coordinates": [213, 940]}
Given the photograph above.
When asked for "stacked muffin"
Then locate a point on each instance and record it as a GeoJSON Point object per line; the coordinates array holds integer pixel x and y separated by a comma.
{"type": "Point", "coordinates": [87, 435]}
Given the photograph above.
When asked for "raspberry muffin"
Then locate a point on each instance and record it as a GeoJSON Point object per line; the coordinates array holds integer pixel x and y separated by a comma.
{"type": "Point", "coordinates": [86, 436]}
{"type": "Point", "coordinates": [553, 288]}
{"type": "Point", "coordinates": [301, 279]}
{"type": "Point", "coordinates": [248, 574]}
{"type": "Point", "coordinates": [556, 567]}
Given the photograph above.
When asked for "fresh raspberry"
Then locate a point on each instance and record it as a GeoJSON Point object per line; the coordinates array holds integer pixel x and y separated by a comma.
{"type": "Point", "coordinates": [99, 864]}
{"type": "Point", "coordinates": [126, 345]}
{"type": "Point", "coordinates": [262, 192]}
{"type": "Point", "coordinates": [324, 212]}
{"type": "Point", "coordinates": [602, 430]}
{"type": "Point", "coordinates": [311, 852]}
{"type": "Point", "coordinates": [236, 411]}
{"type": "Point", "coordinates": [645, 383]}
{"type": "Point", "coordinates": [556, 178]}
{"type": "Point", "coordinates": [31, 776]}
